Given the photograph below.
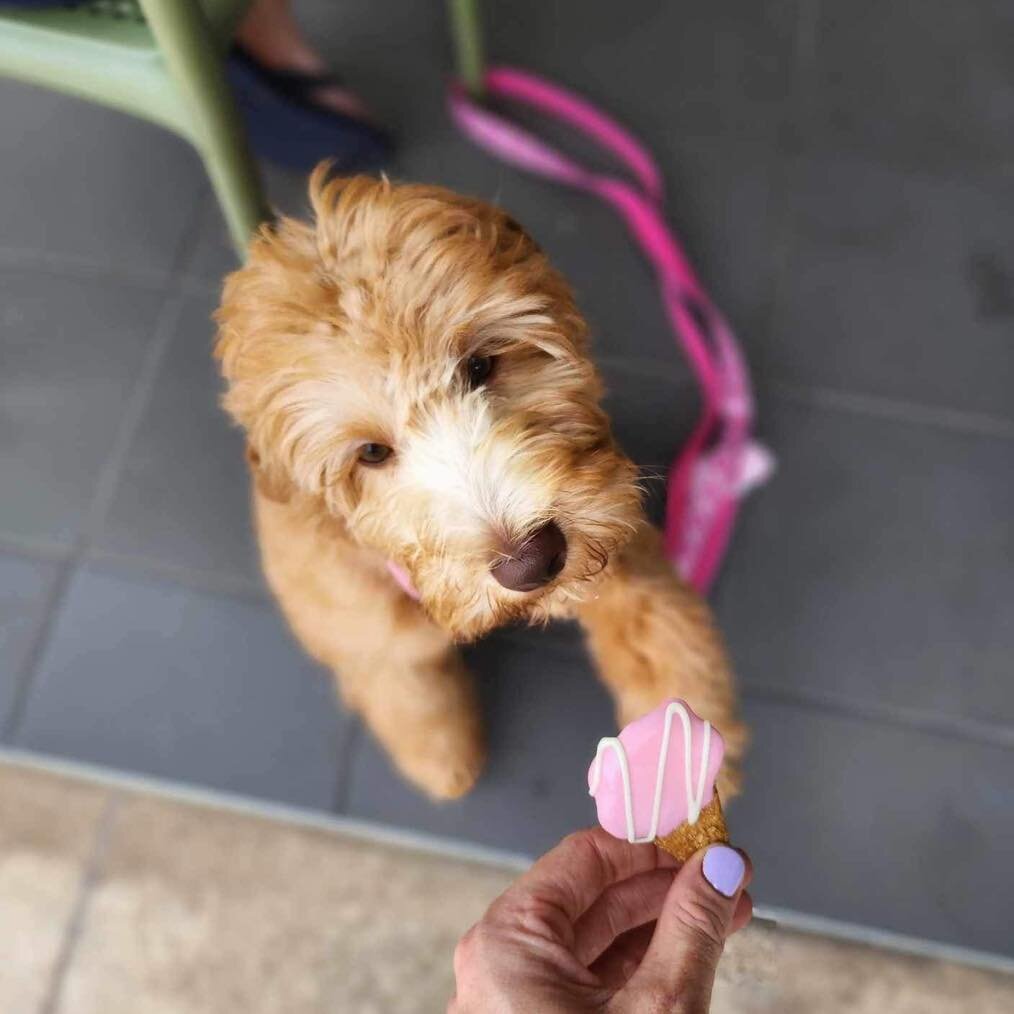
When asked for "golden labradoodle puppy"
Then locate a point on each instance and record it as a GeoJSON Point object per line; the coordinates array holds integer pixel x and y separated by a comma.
{"type": "Point", "coordinates": [414, 382]}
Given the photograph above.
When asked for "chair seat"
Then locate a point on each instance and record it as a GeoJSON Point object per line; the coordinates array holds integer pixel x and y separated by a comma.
{"type": "Point", "coordinates": [104, 51]}
{"type": "Point", "coordinates": [117, 24]}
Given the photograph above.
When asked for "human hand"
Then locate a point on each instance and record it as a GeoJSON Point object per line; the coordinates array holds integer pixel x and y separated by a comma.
{"type": "Point", "coordinates": [598, 924]}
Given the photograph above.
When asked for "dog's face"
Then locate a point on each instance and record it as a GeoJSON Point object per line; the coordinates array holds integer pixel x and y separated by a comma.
{"type": "Point", "coordinates": [413, 366]}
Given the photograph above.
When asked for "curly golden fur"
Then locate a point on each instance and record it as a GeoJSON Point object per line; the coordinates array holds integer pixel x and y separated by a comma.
{"type": "Point", "coordinates": [356, 330]}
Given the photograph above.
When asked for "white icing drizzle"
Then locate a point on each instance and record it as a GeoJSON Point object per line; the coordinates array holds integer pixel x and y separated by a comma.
{"type": "Point", "coordinates": [694, 800]}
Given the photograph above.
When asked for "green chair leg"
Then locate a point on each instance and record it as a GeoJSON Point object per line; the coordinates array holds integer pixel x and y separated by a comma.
{"type": "Point", "coordinates": [195, 64]}
{"type": "Point", "coordinates": [467, 33]}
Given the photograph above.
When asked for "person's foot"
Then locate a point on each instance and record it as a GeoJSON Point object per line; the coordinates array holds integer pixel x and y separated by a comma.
{"type": "Point", "coordinates": [296, 112]}
{"type": "Point", "coordinates": [270, 36]}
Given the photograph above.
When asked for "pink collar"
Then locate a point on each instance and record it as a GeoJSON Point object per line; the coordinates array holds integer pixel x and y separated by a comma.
{"type": "Point", "coordinates": [404, 582]}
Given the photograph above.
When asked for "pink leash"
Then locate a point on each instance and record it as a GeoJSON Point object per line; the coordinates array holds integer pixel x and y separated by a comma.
{"type": "Point", "coordinates": [720, 461]}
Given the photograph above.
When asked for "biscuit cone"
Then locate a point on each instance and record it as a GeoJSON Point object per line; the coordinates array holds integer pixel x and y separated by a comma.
{"type": "Point", "coordinates": [688, 838]}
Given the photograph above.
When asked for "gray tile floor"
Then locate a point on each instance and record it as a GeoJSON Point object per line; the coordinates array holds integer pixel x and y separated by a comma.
{"type": "Point", "coordinates": [843, 176]}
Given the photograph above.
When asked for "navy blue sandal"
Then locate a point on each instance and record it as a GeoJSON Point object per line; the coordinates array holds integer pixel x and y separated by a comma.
{"type": "Point", "coordinates": [288, 128]}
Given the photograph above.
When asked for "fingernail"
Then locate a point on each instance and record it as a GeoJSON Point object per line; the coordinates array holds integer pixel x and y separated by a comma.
{"type": "Point", "coordinates": [723, 869]}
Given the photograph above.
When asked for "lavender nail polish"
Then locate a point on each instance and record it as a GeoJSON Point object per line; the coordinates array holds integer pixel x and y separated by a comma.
{"type": "Point", "coordinates": [724, 869]}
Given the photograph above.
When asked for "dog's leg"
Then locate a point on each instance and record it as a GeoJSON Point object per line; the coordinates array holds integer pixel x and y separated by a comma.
{"type": "Point", "coordinates": [401, 673]}
{"type": "Point", "coordinates": [419, 701]}
{"type": "Point", "coordinates": [653, 638]}
{"type": "Point", "coordinates": [393, 665]}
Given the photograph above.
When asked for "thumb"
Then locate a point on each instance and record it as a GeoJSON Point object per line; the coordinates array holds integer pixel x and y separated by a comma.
{"type": "Point", "coordinates": [678, 970]}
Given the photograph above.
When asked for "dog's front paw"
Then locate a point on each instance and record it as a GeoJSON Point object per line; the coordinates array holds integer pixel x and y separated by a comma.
{"type": "Point", "coordinates": [446, 766]}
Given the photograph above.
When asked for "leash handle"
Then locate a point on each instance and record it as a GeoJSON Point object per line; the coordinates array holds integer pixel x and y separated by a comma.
{"type": "Point", "coordinates": [572, 109]}
{"type": "Point", "coordinates": [719, 461]}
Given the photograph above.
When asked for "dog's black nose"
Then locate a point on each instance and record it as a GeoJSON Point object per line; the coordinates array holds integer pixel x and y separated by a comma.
{"type": "Point", "coordinates": [535, 562]}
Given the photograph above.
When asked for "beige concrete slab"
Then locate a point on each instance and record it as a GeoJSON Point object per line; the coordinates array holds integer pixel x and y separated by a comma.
{"type": "Point", "coordinates": [203, 911]}
{"type": "Point", "coordinates": [767, 971]}
{"type": "Point", "coordinates": [48, 827]}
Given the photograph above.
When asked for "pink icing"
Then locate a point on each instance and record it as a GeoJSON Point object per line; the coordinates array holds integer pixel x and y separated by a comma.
{"type": "Point", "coordinates": [642, 743]}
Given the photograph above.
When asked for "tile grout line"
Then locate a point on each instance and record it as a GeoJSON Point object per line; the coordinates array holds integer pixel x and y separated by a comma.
{"type": "Point", "coordinates": [81, 268]}
{"type": "Point", "coordinates": [147, 377]}
{"type": "Point", "coordinates": [24, 679]}
{"type": "Point", "coordinates": [33, 549]}
{"type": "Point", "coordinates": [793, 119]}
{"type": "Point", "coordinates": [105, 486]}
{"type": "Point", "coordinates": [873, 406]}
{"type": "Point", "coordinates": [175, 279]}
{"type": "Point", "coordinates": [233, 586]}
{"type": "Point", "coordinates": [193, 287]}
{"type": "Point", "coordinates": [76, 922]}
{"type": "Point", "coordinates": [951, 727]}
{"type": "Point", "coordinates": [343, 782]}
{"type": "Point", "coordinates": [806, 43]}
{"type": "Point", "coordinates": [829, 399]}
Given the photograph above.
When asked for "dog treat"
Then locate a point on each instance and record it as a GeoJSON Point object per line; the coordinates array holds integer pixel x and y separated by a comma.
{"type": "Point", "coordinates": [656, 781]}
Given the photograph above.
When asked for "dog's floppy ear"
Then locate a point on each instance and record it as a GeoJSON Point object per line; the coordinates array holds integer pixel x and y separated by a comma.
{"type": "Point", "coordinates": [271, 483]}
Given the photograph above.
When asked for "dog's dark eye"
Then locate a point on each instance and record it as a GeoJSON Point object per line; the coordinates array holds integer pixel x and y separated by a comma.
{"type": "Point", "coordinates": [478, 370]}
{"type": "Point", "coordinates": [374, 454]}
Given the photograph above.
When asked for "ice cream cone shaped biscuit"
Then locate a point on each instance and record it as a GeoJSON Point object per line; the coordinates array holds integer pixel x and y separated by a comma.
{"type": "Point", "coordinates": [656, 781]}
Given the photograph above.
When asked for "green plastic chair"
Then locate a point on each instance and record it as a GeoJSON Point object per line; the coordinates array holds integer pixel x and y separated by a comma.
{"type": "Point", "coordinates": [162, 60]}
{"type": "Point", "coordinates": [466, 33]}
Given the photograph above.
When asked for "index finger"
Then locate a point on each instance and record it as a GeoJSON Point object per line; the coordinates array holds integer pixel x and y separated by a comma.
{"type": "Point", "coordinates": [571, 876]}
